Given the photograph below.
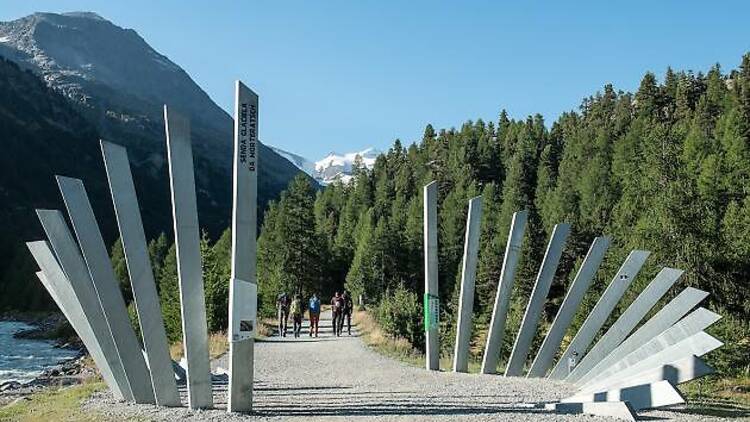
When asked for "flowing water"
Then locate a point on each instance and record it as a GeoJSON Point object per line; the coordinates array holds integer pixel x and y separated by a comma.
{"type": "Point", "coordinates": [23, 360]}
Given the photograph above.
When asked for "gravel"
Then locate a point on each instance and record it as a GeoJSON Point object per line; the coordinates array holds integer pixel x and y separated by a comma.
{"type": "Point", "coordinates": [329, 378]}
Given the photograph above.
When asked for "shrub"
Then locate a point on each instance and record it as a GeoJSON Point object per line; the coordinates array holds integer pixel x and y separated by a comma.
{"type": "Point", "coordinates": [400, 315]}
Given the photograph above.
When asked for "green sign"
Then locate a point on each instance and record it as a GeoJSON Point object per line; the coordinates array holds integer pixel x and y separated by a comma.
{"type": "Point", "coordinates": [431, 311]}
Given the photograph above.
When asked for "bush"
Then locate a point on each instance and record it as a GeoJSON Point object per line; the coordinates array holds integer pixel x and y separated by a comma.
{"type": "Point", "coordinates": [400, 315]}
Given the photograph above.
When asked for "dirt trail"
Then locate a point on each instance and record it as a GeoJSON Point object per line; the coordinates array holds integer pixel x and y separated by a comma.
{"type": "Point", "coordinates": [329, 378]}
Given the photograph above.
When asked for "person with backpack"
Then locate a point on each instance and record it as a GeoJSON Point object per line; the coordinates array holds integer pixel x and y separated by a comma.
{"type": "Point", "coordinates": [296, 310]}
{"type": "Point", "coordinates": [314, 310]}
{"type": "Point", "coordinates": [348, 309]}
{"type": "Point", "coordinates": [337, 313]}
{"type": "Point", "coordinates": [282, 311]}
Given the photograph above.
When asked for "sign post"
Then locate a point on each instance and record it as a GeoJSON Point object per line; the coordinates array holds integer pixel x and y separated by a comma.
{"type": "Point", "coordinates": [243, 289]}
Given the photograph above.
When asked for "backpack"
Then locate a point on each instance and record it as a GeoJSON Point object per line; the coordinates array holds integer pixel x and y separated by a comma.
{"type": "Point", "coordinates": [314, 305]}
{"type": "Point", "coordinates": [296, 307]}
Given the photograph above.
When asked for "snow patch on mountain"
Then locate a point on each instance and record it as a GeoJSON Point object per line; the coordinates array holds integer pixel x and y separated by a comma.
{"type": "Point", "coordinates": [334, 167]}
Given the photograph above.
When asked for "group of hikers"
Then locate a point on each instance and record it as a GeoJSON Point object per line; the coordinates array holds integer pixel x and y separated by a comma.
{"type": "Point", "coordinates": [341, 309]}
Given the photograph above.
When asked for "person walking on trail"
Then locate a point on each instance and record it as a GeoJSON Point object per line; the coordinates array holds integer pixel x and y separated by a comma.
{"type": "Point", "coordinates": [282, 311]}
{"type": "Point", "coordinates": [296, 311]}
{"type": "Point", "coordinates": [348, 309]}
{"type": "Point", "coordinates": [337, 313]}
{"type": "Point", "coordinates": [314, 310]}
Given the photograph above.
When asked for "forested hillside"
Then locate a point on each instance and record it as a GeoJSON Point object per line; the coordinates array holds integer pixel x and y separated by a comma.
{"type": "Point", "coordinates": [666, 169]}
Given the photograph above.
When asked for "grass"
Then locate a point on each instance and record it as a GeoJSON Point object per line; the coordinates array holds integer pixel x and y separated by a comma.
{"type": "Point", "coordinates": [62, 404]}
{"type": "Point", "coordinates": [733, 391]}
{"type": "Point", "coordinates": [398, 348]}
{"type": "Point", "coordinates": [218, 344]}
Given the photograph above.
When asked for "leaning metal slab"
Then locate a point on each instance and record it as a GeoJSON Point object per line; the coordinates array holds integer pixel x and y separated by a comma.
{"type": "Point", "coordinates": [107, 287]}
{"type": "Point", "coordinates": [74, 267]}
{"type": "Point", "coordinates": [58, 286]}
{"type": "Point", "coordinates": [432, 361]}
{"type": "Point", "coordinates": [598, 316]}
{"type": "Point", "coordinates": [686, 328]}
{"type": "Point", "coordinates": [242, 310]}
{"type": "Point", "coordinates": [569, 307]}
{"type": "Point", "coordinates": [640, 397]}
{"type": "Point", "coordinates": [676, 372]}
{"type": "Point", "coordinates": [533, 312]}
{"type": "Point", "coordinates": [468, 275]}
{"type": "Point", "coordinates": [502, 296]}
{"type": "Point", "coordinates": [141, 274]}
{"type": "Point", "coordinates": [189, 272]}
{"type": "Point", "coordinates": [626, 322]}
{"type": "Point", "coordinates": [665, 318]}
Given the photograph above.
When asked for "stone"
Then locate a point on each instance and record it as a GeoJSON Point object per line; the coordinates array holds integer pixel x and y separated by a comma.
{"type": "Point", "coordinates": [502, 296]}
{"type": "Point", "coordinates": [189, 272]}
{"type": "Point", "coordinates": [533, 312]}
{"type": "Point", "coordinates": [569, 307]}
{"type": "Point", "coordinates": [468, 276]}
{"type": "Point", "coordinates": [96, 255]}
{"type": "Point", "coordinates": [243, 296]}
{"type": "Point", "coordinates": [626, 322]}
{"type": "Point", "coordinates": [141, 274]}
{"type": "Point", "coordinates": [599, 315]}
{"type": "Point", "coordinates": [77, 274]}
{"type": "Point", "coordinates": [662, 320]}
{"type": "Point", "coordinates": [432, 361]}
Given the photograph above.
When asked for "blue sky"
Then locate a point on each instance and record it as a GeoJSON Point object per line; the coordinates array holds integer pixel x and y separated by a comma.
{"type": "Point", "coordinates": [345, 75]}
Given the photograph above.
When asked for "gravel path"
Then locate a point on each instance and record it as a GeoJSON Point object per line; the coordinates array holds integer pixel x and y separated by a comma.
{"type": "Point", "coordinates": [329, 378]}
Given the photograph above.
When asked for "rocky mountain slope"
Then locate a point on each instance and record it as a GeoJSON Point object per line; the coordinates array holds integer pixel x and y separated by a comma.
{"type": "Point", "coordinates": [79, 78]}
{"type": "Point", "coordinates": [334, 167]}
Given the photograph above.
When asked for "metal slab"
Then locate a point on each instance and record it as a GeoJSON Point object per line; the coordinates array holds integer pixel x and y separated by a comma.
{"type": "Point", "coordinates": [107, 287]}
{"type": "Point", "coordinates": [569, 307]}
{"type": "Point", "coordinates": [626, 322]}
{"type": "Point", "coordinates": [468, 276]}
{"type": "Point", "coordinates": [141, 274]}
{"type": "Point", "coordinates": [598, 316]}
{"type": "Point", "coordinates": [58, 286]}
{"type": "Point", "coordinates": [616, 409]}
{"type": "Point", "coordinates": [432, 297]}
{"type": "Point", "coordinates": [665, 318]}
{"type": "Point", "coordinates": [640, 397]}
{"type": "Point", "coordinates": [189, 272]}
{"type": "Point", "coordinates": [72, 263]}
{"type": "Point", "coordinates": [504, 290]}
{"type": "Point", "coordinates": [693, 324]}
{"type": "Point", "coordinates": [676, 372]}
{"type": "Point", "coordinates": [538, 296]}
{"type": "Point", "coordinates": [244, 250]}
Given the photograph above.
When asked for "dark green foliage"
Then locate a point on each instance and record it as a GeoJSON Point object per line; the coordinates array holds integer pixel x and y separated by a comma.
{"type": "Point", "coordinates": [400, 315]}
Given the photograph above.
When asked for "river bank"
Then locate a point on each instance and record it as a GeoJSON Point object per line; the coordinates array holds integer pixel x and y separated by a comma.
{"type": "Point", "coordinates": [38, 351]}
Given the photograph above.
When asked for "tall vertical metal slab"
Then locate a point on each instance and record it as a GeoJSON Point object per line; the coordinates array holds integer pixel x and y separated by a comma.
{"type": "Point", "coordinates": [107, 288]}
{"type": "Point", "coordinates": [573, 298]}
{"type": "Point", "coordinates": [665, 318]}
{"type": "Point", "coordinates": [58, 286]}
{"type": "Point", "coordinates": [431, 293]}
{"type": "Point", "coordinates": [694, 323]}
{"type": "Point", "coordinates": [189, 272]}
{"type": "Point", "coordinates": [536, 303]}
{"type": "Point", "coordinates": [468, 276]}
{"type": "Point", "coordinates": [243, 297]}
{"type": "Point", "coordinates": [598, 316]}
{"type": "Point", "coordinates": [74, 267]}
{"type": "Point", "coordinates": [626, 322]}
{"type": "Point", "coordinates": [141, 274]}
{"type": "Point", "coordinates": [502, 296]}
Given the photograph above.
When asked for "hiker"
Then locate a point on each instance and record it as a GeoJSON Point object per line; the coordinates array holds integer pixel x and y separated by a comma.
{"type": "Point", "coordinates": [296, 311]}
{"type": "Point", "coordinates": [348, 309]}
{"type": "Point", "coordinates": [282, 311]}
{"type": "Point", "coordinates": [314, 310]}
{"type": "Point", "coordinates": [337, 313]}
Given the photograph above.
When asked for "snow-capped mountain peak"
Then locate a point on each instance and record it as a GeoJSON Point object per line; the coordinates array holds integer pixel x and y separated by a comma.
{"type": "Point", "coordinates": [334, 167]}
